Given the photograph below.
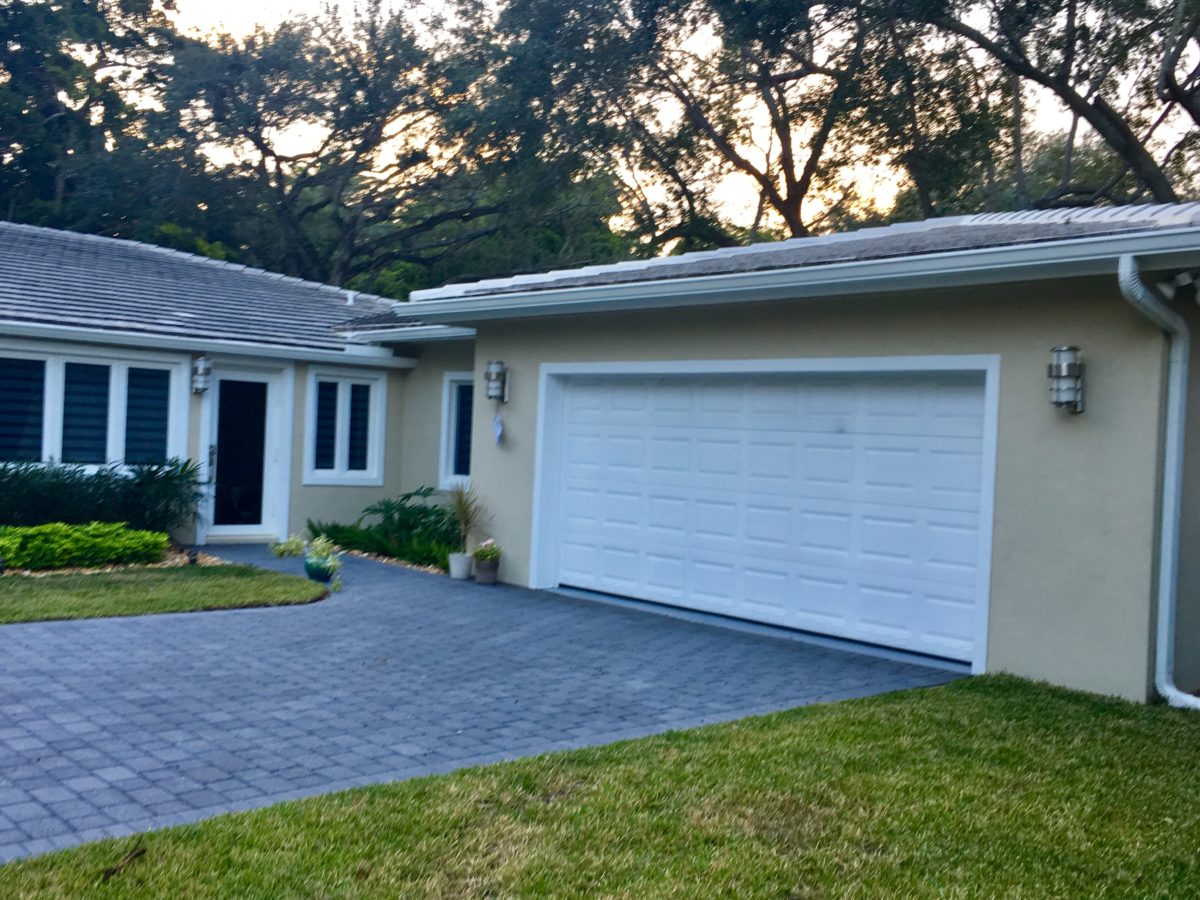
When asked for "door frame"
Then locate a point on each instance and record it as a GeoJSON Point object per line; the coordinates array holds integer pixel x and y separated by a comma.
{"type": "Point", "coordinates": [548, 452]}
{"type": "Point", "coordinates": [277, 451]}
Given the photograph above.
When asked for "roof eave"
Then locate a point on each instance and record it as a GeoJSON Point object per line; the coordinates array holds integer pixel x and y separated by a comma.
{"type": "Point", "coordinates": [411, 334]}
{"type": "Point", "coordinates": [360, 355]}
{"type": "Point", "coordinates": [1166, 248]}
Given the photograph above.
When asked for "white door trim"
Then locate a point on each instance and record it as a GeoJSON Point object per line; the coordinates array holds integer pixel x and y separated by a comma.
{"type": "Point", "coordinates": [277, 452]}
{"type": "Point", "coordinates": [547, 480]}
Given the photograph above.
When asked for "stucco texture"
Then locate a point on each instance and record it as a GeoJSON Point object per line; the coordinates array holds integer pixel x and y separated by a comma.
{"type": "Point", "coordinates": [412, 446]}
{"type": "Point", "coordinates": [1075, 507]}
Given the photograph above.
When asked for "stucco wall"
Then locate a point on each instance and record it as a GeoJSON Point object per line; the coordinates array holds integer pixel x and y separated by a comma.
{"type": "Point", "coordinates": [1072, 568]}
{"type": "Point", "coordinates": [413, 439]}
{"type": "Point", "coordinates": [422, 420]}
{"type": "Point", "coordinates": [338, 503]}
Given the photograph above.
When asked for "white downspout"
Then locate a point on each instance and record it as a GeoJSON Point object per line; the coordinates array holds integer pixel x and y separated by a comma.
{"type": "Point", "coordinates": [1151, 304]}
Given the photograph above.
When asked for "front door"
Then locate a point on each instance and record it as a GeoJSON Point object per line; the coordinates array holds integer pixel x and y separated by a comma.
{"type": "Point", "coordinates": [240, 452]}
{"type": "Point", "coordinates": [248, 431]}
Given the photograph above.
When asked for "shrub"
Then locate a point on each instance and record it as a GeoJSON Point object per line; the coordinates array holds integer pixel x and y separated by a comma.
{"type": "Point", "coordinates": [58, 545]}
{"type": "Point", "coordinates": [409, 528]}
{"type": "Point", "coordinates": [151, 497]}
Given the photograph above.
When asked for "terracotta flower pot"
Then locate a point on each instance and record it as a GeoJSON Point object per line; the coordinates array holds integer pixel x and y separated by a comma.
{"type": "Point", "coordinates": [486, 570]}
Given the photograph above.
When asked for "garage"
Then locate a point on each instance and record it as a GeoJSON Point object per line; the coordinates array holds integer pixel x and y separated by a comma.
{"type": "Point", "coordinates": [851, 504]}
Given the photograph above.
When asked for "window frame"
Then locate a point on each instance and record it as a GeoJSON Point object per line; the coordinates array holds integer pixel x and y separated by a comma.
{"type": "Point", "coordinates": [119, 361]}
{"type": "Point", "coordinates": [341, 474]}
{"type": "Point", "coordinates": [450, 381]}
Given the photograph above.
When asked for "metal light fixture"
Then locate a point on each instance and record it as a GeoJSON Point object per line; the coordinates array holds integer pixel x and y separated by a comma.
{"type": "Point", "coordinates": [201, 374]}
{"type": "Point", "coordinates": [1066, 379]}
{"type": "Point", "coordinates": [495, 381]}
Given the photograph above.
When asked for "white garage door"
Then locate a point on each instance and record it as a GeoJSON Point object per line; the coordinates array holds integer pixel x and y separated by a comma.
{"type": "Point", "coordinates": [846, 505]}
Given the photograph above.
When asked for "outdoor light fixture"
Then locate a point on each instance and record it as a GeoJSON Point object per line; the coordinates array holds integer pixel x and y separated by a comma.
{"type": "Point", "coordinates": [1066, 378]}
{"type": "Point", "coordinates": [201, 374]}
{"type": "Point", "coordinates": [495, 381]}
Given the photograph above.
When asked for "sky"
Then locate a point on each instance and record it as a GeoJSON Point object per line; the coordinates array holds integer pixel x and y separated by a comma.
{"type": "Point", "coordinates": [239, 16]}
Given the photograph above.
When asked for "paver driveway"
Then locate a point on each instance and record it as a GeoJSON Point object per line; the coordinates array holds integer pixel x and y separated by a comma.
{"type": "Point", "coordinates": [112, 726]}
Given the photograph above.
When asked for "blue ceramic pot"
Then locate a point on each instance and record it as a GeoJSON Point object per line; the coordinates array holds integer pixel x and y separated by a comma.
{"type": "Point", "coordinates": [319, 570]}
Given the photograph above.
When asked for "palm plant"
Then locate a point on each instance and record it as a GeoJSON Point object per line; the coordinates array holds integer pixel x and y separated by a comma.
{"type": "Point", "coordinates": [467, 512]}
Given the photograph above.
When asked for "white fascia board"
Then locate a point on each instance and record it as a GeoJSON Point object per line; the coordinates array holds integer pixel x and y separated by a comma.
{"type": "Point", "coordinates": [1166, 248]}
{"type": "Point", "coordinates": [375, 357]}
{"type": "Point", "coordinates": [416, 333]}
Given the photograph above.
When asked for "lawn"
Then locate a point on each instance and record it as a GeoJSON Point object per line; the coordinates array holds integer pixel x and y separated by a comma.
{"type": "Point", "coordinates": [134, 592]}
{"type": "Point", "coordinates": [985, 787]}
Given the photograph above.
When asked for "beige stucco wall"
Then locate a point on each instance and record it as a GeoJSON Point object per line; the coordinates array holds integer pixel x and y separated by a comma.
{"type": "Point", "coordinates": [1072, 570]}
{"type": "Point", "coordinates": [414, 410]}
{"type": "Point", "coordinates": [421, 424]}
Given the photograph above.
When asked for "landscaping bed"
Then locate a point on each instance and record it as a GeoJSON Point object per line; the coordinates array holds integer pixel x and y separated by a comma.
{"type": "Point", "coordinates": [985, 787]}
{"type": "Point", "coordinates": [139, 590]}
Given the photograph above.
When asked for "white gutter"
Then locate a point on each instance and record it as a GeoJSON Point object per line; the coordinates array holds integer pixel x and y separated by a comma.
{"type": "Point", "coordinates": [360, 355]}
{"type": "Point", "coordinates": [1073, 257]}
{"type": "Point", "coordinates": [1149, 303]}
{"type": "Point", "coordinates": [400, 335]}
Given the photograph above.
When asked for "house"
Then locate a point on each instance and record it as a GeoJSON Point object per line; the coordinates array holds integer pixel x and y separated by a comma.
{"type": "Point", "coordinates": [863, 435]}
{"type": "Point", "coordinates": [113, 350]}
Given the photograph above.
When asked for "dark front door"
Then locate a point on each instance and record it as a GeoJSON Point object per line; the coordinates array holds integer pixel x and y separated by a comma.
{"type": "Point", "coordinates": [241, 441]}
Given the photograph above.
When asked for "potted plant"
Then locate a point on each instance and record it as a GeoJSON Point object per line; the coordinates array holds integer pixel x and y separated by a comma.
{"type": "Point", "coordinates": [322, 558]}
{"type": "Point", "coordinates": [467, 511]}
{"type": "Point", "coordinates": [487, 561]}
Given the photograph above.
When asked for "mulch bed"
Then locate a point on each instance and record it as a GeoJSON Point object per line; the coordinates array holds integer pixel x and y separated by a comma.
{"type": "Point", "coordinates": [175, 558]}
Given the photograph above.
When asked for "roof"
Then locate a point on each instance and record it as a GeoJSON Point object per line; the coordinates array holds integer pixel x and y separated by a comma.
{"type": "Point", "coordinates": [932, 236]}
{"type": "Point", "coordinates": [60, 278]}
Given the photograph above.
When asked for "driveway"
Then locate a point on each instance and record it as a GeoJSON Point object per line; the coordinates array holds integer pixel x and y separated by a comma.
{"type": "Point", "coordinates": [114, 726]}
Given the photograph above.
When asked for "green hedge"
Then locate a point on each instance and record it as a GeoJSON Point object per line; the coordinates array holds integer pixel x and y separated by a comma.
{"type": "Point", "coordinates": [58, 545]}
{"type": "Point", "coordinates": [153, 497]}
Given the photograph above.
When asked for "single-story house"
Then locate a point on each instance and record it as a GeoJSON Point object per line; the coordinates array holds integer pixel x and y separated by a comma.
{"type": "Point", "coordinates": [967, 438]}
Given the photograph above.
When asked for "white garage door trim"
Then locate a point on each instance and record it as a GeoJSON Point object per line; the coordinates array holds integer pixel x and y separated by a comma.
{"type": "Point", "coordinates": [544, 565]}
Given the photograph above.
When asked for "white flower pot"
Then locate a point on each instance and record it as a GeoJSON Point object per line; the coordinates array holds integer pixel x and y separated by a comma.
{"type": "Point", "coordinates": [460, 566]}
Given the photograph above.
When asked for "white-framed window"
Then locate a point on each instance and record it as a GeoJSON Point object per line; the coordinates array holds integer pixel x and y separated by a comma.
{"type": "Point", "coordinates": [346, 427]}
{"type": "Point", "coordinates": [91, 408]}
{"type": "Point", "coordinates": [458, 408]}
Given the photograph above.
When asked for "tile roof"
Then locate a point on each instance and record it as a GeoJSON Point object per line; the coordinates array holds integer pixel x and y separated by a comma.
{"type": "Point", "coordinates": [62, 278]}
{"type": "Point", "coordinates": [948, 235]}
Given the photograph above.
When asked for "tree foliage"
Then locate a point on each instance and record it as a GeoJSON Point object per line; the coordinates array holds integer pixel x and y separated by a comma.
{"type": "Point", "coordinates": [384, 151]}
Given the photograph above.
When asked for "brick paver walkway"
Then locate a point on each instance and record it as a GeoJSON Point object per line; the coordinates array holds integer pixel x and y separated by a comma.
{"type": "Point", "coordinates": [113, 726]}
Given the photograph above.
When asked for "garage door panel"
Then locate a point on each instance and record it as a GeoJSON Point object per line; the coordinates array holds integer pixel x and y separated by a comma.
{"type": "Point", "coordinates": [847, 505]}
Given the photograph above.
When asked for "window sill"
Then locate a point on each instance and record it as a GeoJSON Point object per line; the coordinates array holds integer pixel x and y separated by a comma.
{"type": "Point", "coordinates": [314, 479]}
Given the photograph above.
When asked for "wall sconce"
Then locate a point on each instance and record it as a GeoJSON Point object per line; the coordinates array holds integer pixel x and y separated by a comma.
{"type": "Point", "coordinates": [495, 381]}
{"type": "Point", "coordinates": [201, 374]}
{"type": "Point", "coordinates": [1066, 379]}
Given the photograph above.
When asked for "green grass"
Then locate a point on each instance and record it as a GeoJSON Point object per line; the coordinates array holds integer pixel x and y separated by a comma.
{"type": "Point", "coordinates": [986, 787]}
{"type": "Point", "coordinates": [135, 592]}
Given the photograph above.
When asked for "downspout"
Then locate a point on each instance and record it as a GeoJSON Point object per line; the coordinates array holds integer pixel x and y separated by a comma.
{"type": "Point", "coordinates": [1150, 303]}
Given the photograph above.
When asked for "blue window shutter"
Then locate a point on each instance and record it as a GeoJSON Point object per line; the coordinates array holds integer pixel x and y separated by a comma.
{"type": "Point", "coordinates": [463, 412]}
{"type": "Point", "coordinates": [326, 425]}
{"type": "Point", "coordinates": [22, 409]}
{"type": "Point", "coordinates": [85, 414]}
{"type": "Point", "coordinates": [147, 413]}
{"type": "Point", "coordinates": [360, 415]}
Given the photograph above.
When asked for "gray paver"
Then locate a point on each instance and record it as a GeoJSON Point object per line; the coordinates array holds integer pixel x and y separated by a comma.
{"type": "Point", "coordinates": [112, 726]}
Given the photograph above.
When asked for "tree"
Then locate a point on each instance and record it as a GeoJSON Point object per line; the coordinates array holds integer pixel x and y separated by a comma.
{"type": "Point", "coordinates": [1096, 58]}
{"type": "Point", "coordinates": [67, 76]}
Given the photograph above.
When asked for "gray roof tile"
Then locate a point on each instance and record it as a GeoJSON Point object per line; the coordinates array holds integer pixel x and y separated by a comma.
{"type": "Point", "coordinates": [62, 278]}
{"type": "Point", "coordinates": [946, 235]}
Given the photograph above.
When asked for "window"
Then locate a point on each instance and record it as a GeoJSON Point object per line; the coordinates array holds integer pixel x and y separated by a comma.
{"type": "Point", "coordinates": [458, 407]}
{"type": "Point", "coordinates": [85, 413]}
{"type": "Point", "coordinates": [22, 395]}
{"type": "Point", "coordinates": [345, 433]}
{"type": "Point", "coordinates": [89, 410]}
{"type": "Point", "coordinates": [147, 405]}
